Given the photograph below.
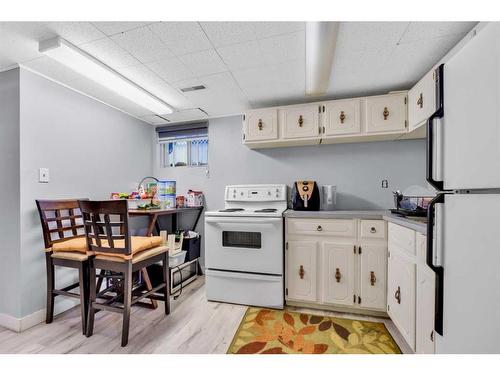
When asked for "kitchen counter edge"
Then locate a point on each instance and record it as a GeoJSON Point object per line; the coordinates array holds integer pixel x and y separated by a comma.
{"type": "Point", "coordinates": [361, 214]}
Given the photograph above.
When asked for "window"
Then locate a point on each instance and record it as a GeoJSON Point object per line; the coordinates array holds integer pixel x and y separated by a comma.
{"type": "Point", "coordinates": [184, 145]}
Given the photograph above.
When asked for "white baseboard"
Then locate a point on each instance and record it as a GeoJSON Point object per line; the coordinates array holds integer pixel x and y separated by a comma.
{"type": "Point", "coordinates": [28, 321]}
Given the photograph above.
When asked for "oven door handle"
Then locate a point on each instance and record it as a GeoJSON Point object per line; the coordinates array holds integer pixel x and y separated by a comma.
{"type": "Point", "coordinates": [240, 220]}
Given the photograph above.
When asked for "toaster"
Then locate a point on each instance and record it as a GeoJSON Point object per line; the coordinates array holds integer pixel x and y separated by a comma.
{"type": "Point", "coordinates": [305, 196]}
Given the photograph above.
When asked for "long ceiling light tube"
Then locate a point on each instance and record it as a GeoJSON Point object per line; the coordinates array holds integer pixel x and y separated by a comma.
{"type": "Point", "coordinates": [81, 62]}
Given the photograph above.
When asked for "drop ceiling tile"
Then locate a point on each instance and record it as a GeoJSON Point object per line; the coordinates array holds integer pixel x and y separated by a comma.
{"type": "Point", "coordinates": [283, 48]}
{"type": "Point", "coordinates": [271, 74]}
{"type": "Point", "coordinates": [226, 33]}
{"type": "Point", "coordinates": [242, 56]}
{"type": "Point", "coordinates": [143, 44]}
{"type": "Point", "coordinates": [110, 53]}
{"type": "Point", "coordinates": [154, 120]}
{"type": "Point", "coordinates": [182, 37]}
{"type": "Point", "coordinates": [427, 30]}
{"type": "Point", "coordinates": [268, 29]}
{"type": "Point", "coordinates": [171, 70]}
{"type": "Point", "coordinates": [75, 32]}
{"type": "Point", "coordinates": [151, 82]}
{"type": "Point", "coordinates": [223, 83]}
{"type": "Point", "coordinates": [52, 69]}
{"type": "Point", "coordinates": [204, 63]}
{"type": "Point", "coordinates": [187, 115]}
{"type": "Point", "coordinates": [113, 27]}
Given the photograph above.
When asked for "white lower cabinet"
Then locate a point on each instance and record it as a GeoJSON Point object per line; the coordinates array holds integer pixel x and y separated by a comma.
{"type": "Point", "coordinates": [301, 268]}
{"type": "Point", "coordinates": [426, 284]}
{"type": "Point", "coordinates": [338, 273]}
{"type": "Point", "coordinates": [373, 266]}
{"type": "Point", "coordinates": [351, 263]}
{"type": "Point", "coordinates": [401, 294]}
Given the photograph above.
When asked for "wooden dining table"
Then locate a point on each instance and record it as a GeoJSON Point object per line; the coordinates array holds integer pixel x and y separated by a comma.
{"type": "Point", "coordinates": [155, 228]}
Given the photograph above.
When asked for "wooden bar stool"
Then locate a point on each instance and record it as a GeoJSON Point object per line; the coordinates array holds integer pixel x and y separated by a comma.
{"type": "Point", "coordinates": [115, 250]}
{"type": "Point", "coordinates": [65, 246]}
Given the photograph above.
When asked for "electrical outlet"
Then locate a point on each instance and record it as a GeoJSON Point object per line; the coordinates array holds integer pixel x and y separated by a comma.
{"type": "Point", "coordinates": [43, 175]}
{"type": "Point", "coordinates": [385, 184]}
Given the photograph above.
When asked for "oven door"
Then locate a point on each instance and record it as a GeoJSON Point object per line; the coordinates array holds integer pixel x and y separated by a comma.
{"type": "Point", "coordinates": [245, 244]}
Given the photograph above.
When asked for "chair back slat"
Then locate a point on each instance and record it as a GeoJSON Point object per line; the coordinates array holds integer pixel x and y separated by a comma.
{"type": "Point", "coordinates": [100, 219]}
{"type": "Point", "coordinates": [60, 219]}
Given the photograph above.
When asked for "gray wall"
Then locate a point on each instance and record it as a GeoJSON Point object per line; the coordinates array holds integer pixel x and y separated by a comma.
{"type": "Point", "coordinates": [9, 197]}
{"type": "Point", "coordinates": [91, 150]}
{"type": "Point", "coordinates": [357, 169]}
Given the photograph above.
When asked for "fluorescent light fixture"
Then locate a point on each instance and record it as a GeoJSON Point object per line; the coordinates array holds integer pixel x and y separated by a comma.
{"type": "Point", "coordinates": [88, 66]}
{"type": "Point", "coordinates": [321, 39]}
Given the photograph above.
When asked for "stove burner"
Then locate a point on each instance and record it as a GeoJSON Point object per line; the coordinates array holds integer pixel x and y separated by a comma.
{"type": "Point", "coordinates": [267, 210]}
{"type": "Point", "coordinates": [232, 210]}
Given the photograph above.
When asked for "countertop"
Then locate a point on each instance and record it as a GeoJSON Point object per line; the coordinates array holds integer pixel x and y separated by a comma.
{"type": "Point", "coordinates": [418, 226]}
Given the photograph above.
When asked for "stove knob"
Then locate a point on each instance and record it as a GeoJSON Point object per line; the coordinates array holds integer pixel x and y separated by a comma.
{"type": "Point", "coordinates": [268, 193]}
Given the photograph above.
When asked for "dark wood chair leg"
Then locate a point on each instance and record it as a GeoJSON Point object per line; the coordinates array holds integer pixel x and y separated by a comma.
{"type": "Point", "coordinates": [50, 288]}
{"type": "Point", "coordinates": [127, 301]}
{"type": "Point", "coordinates": [166, 279]}
{"type": "Point", "coordinates": [83, 275]}
{"type": "Point", "coordinates": [92, 299]}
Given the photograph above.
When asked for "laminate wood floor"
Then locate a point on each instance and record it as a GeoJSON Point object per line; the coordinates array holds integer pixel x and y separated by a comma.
{"type": "Point", "coordinates": [194, 326]}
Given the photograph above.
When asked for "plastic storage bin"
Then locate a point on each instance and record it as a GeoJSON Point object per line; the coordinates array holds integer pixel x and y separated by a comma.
{"type": "Point", "coordinates": [177, 259]}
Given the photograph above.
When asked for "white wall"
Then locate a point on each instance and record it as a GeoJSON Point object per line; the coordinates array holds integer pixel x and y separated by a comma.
{"type": "Point", "coordinates": [357, 169]}
{"type": "Point", "coordinates": [10, 190]}
{"type": "Point", "coordinates": [91, 150]}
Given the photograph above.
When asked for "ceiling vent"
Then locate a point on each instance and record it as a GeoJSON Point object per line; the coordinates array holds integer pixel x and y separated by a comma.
{"type": "Point", "coordinates": [193, 88]}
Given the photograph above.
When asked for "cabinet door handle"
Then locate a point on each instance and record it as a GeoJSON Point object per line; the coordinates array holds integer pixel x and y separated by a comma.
{"type": "Point", "coordinates": [373, 230]}
{"type": "Point", "coordinates": [301, 121]}
{"type": "Point", "coordinates": [337, 275]}
{"type": "Point", "coordinates": [342, 117]}
{"type": "Point", "coordinates": [420, 101]}
{"type": "Point", "coordinates": [385, 113]}
{"type": "Point", "coordinates": [301, 271]}
{"type": "Point", "coordinates": [373, 279]}
{"type": "Point", "coordinates": [319, 228]}
{"type": "Point", "coordinates": [397, 295]}
{"type": "Point", "coordinates": [260, 125]}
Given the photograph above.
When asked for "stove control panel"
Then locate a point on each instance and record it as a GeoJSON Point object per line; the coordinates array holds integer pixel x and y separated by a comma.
{"type": "Point", "coordinates": [256, 193]}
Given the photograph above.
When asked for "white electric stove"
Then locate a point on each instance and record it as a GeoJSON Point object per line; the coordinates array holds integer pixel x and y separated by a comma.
{"type": "Point", "coordinates": [244, 246]}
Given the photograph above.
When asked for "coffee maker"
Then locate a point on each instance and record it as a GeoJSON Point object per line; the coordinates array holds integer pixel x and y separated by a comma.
{"type": "Point", "coordinates": [305, 196]}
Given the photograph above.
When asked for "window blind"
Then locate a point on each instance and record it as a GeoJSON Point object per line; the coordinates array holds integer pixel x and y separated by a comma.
{"type": "Point", "coordinates": [189, 131]}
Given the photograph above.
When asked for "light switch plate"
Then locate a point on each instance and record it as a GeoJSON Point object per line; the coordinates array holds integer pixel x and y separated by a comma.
{"type": "Point", "coordinates": [43, 175]}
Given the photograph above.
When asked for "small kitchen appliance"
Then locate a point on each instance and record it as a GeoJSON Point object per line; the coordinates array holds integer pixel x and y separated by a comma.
{"type": "Point", "coordinates": [244, 246]}
{"type": "Point", "coordinates": [328, 197]}
{"type": "Point", "coordinates": [305, 196]}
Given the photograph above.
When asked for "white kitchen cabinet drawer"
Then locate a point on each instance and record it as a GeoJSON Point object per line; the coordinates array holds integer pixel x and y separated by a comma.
{"type": "Point", "coordinates": [386, 113]}
{"type": "Point", "coordinates": [342, 117]}
{"type": "Point", "coordinates": [329, 227]}
{"type": "Point", "coordinates": [261, 125]}
{"type": "Point", "coordinates": [401, 295]}
{"type": "Point", "coordinates": [401, 238]}
{"type": "Point", "coordinates": [373, 229]}
{"type": "Point", "coordinates": [422, 101]}
{"type": "Point", "coordinates": [301, 271]}
{"type": "Point", "coordinates": [301, 121]}
{"type": "Point", "coordinates": [373, 270]}
{"type": "Point", "coordinates": [421, 245]}
{"type": "Point", "coordinates": [338, 274]}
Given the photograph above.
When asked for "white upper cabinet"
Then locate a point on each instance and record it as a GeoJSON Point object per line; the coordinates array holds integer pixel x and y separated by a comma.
{"type": "Point", "coordinates": [342, 117]}
{"type": "Point", "coordinates": [261, 125]}
{"type": "Point", "coordinates": [338, 273]}
{"type": "Point", "coordinates": [386, 113]}
{"type": "Point", "coordinates": [300, 121]}
{"type": "Point", "coordinates": [422, 101]}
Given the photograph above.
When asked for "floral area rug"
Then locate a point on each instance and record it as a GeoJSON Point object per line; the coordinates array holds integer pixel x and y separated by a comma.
{"type": "Point", "coordinates": [265, 331]}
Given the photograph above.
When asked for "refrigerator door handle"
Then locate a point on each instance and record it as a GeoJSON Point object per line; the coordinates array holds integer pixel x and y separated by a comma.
{"type": "Point", "coordinates": [438, 270]}
{"type": "Point", "coordinates": [438, 185]}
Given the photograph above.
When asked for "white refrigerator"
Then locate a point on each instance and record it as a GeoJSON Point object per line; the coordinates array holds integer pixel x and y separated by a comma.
{"type": "Point", "coordinates": [463, 164]}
